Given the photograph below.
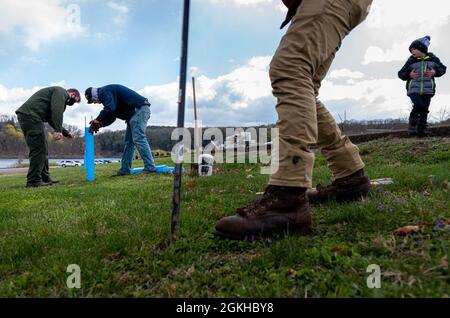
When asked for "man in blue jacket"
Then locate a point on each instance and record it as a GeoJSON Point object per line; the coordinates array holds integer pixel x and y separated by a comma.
{"type": "Point", "coordinates": [124, 103]}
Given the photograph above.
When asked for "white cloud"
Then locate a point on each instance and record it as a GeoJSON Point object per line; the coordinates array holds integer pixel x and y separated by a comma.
{"type": "Point", "coordinates": [38, 21]}
{"type": "Point", "coordinates": [164, 103]}
{"type": "Point", "coordinates": [121, 11]}
{"type": "Point", "coordinates": [12, 98]}
{"type": "Point", "coordinates": [221, 100]}
{"type": "Point", "coordinates": [251, 3]}
{"type": "Point", "coordinates": [194, 71]}
{"type": "Point", "coordinates": [398, 52]}
{"type": "Point", "coordinates": [345, 73]}
{"type": "Point", "coordinates": [251, 80]}
{"type": "Point", "coordinates": [227, 95]}
{"type": "Point", "coordinates": [118, 7]}
{"type": "Point", "coordinates": [243, 2]}
{"type": "Point", "coordinates": [403, 13]}
{"type": "Point", "coordinates": [393, 25]}
{"type": "Point", "coordinates": [385, 95]}
{"type": "Point", "coordinates": [373, 98]}
{"type": "Point", "coordinates": [59, 83]}
{"type": "Point", "coordinates": [244, 97]}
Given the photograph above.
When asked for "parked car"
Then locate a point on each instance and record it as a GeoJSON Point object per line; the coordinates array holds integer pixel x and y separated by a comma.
{"type": "Point", "coordinates": [70, 163]}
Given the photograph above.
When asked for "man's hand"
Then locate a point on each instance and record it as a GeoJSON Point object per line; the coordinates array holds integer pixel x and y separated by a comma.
{"type": "Point", "coordinates": [95, 126]}
{"type": "Point", "coordinates": [414, 75]}
{"type": "Point", "coordinates": [58, 136]}
{"type": "Point", "coordinates": [430, 73]}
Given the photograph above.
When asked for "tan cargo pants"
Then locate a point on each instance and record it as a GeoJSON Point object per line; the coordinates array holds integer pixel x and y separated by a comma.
{"type": "Point", "coordinates": [300, 64]}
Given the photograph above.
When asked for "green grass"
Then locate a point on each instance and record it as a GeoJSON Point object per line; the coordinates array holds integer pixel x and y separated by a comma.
{"type": "Point", "coordinates": [117, 229]}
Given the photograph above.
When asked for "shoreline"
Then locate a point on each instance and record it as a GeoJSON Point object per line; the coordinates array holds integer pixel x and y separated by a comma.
{"type": "Point", "coordinates": [4, 172]}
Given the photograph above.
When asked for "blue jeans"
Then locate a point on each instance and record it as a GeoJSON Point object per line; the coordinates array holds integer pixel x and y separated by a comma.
{"type": "Point", "coordinates": [136, 136]}
{"type": "Point", "coordinates": [421, 106]}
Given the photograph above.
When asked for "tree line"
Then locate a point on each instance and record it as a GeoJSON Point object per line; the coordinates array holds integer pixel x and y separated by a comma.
{"type": "Point", "coordinates": [12, 141]}
{"type": "Point", "coordinates": [111, 143]}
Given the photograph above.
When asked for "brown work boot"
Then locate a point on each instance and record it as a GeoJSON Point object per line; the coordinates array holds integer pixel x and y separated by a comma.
{"type": "Point", "coordinates": [280, 209]}
{"type": "Point", "coordinates": [349, 188]}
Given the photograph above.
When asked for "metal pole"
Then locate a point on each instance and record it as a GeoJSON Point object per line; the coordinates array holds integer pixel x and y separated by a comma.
{"type": "Point", "coordinates": [195, 99]}
{"type": "Point", "coordinates": [197, 132]}
{"type": "Point", "coordinates": [181, 111]}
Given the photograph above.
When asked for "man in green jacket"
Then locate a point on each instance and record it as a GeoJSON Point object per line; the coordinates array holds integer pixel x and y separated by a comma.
{"type": "Point", "coordinates": [45, 106]}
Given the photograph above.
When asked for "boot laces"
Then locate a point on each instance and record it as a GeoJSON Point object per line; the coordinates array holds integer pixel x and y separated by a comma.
{"type": "Point", "coordinates": [259, 204]}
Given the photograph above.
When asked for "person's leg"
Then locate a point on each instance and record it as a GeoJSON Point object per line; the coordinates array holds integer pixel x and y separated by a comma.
{"type": "Point", "coordinates": [45, 174]}
{"type": "Point", "coordinates": [35, 138]}
{"type": "Point", "coordinates": [138, 124]}
{"type": "Point", "coordinates": [423, 116]}
{"type": "Point", "coordinates": [414, 115]}
{"type": "Point", "coordinates": [299, 65]}
{"type": "Point", "coordinates": [313, 37]}
{"type": "Point", "coordinates": [342, 155]}
{"type": "Point", "coordinates": [128, 152]}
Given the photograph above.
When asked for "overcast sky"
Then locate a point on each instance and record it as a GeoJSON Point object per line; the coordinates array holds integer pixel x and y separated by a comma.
{"type": "Point", "coordinates": [137, 43]}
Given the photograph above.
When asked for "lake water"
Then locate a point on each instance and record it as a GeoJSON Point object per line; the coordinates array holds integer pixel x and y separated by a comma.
{"type": "Point", "coordinates": [9, 163]}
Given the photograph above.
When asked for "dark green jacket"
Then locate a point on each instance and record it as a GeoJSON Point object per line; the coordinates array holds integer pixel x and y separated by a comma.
{"type": "Point", "coordinates": [48, 105]}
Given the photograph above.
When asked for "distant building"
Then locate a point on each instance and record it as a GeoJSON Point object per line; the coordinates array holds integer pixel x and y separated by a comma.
{"type": "Point", "coordinates": [240, 140]}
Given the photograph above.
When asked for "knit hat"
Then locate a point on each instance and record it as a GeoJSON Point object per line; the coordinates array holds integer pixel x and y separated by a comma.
{"type": "Point", "coordinates": [421, 44]}
{"type": "Point", "coordinates": [91, 95]}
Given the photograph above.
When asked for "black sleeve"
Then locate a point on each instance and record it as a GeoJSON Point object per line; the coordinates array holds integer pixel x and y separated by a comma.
{"type": "Point", "coordinates": [403, 74]}
{"type": "Point", "coordinates": [107, 115]}
{"type": "Point", "coordinates": [441, 69]}
{"type": "Point", "coordinates": [65, 133]}
{"type": "Point", "coordinates": [58, 106]}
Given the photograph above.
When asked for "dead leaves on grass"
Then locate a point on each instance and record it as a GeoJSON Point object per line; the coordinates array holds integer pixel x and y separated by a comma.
{"type": "Point", "coordinates": [217, 191]}
{"type": "Point", "coordinates": [191, 185]}
{"type": "Point", "coordinates": [417, 229]}
{"type": "Point", "coordinates": [444, 261]}
{"type": "Point", "coordinates": [406, 230]}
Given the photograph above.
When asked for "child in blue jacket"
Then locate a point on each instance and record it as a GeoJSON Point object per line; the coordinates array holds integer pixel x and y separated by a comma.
{"type": "Point", "coordinates": [420, 71]}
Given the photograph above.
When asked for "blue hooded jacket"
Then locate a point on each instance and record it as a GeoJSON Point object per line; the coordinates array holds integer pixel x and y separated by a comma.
{"type": "Point", "coordinates": [119, 102]}
{"type": "Point", "coordinates": [424, 85]}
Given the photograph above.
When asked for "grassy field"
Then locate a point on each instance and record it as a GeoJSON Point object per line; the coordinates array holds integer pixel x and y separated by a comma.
{"type": "Point", "coordinates": [116, 230]}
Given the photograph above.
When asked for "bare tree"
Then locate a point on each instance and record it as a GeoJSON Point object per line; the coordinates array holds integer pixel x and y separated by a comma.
{"type": "Point", "coordinates": [442, 115]}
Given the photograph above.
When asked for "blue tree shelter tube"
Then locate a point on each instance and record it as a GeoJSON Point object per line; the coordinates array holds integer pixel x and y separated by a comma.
{"type": "Point", "coordinates": [89, 155]}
